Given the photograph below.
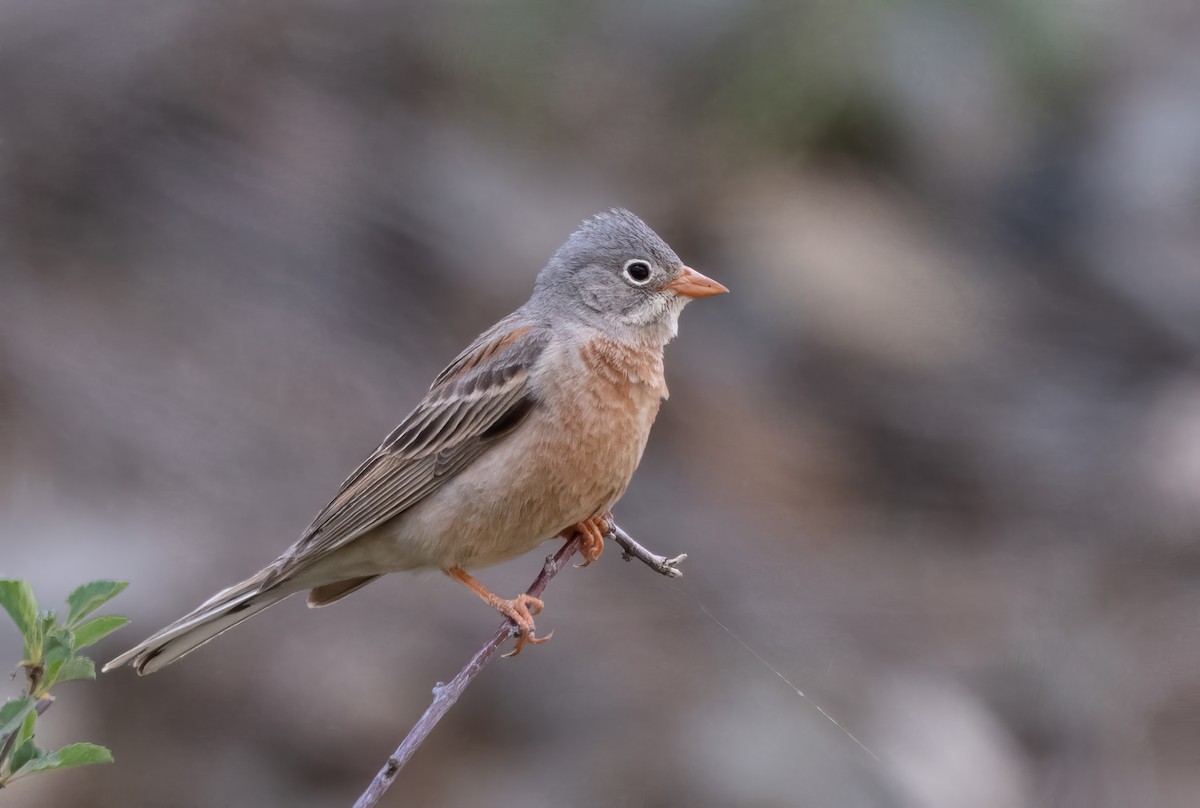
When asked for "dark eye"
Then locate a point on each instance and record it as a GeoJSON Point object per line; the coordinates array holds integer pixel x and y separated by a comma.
{"type": "Point", "coordinates": [637, 271]}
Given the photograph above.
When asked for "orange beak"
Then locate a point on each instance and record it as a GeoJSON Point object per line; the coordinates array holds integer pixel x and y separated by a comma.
{"type": "Point", "coordinates": [691, 283]}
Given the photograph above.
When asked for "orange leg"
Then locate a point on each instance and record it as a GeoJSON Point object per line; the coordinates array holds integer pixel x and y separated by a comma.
{"type": "Point", "coordinates": [592, 532]}
{"type": "Point", "coordinates": [520, 609]}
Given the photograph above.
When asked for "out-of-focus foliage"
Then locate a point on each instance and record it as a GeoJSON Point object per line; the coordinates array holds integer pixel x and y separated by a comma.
{"type": "Point", "coordinates": [51, 657]}
{"type": "Point", "coordinates": [936, 458]}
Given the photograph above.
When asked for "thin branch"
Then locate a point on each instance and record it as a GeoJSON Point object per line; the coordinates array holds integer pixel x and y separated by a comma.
{"type": "Point", "coordinates": [660, 564]}
{"type": "Point", "coordinates": [444, 696]}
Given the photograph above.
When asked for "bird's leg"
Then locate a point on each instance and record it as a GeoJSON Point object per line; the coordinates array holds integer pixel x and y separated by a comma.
{"type": "Point", "coordinates": [520, 609]}
{"type": "Point", "coordinates": [591, 537]}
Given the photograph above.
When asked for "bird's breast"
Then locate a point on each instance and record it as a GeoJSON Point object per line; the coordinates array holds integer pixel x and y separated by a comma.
{"type": "Point", "coordinates": [571, 458]}
{"type": "Point", "coordinates": [608, 394]}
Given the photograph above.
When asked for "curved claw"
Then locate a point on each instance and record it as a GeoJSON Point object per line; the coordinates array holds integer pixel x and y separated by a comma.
{"type": "Point", "coordinates": [520, 611]}
{"type": "Point", "coordinates": [523, 638]}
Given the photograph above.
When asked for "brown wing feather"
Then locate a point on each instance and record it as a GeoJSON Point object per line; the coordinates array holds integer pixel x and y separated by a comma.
{"type": "Point", "coordinates": [473, 404]}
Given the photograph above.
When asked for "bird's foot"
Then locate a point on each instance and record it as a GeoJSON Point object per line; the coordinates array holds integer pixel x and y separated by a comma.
{"type": "Point", "coordinates": [520, 610]}
{"type": "Point", "coordinates": [591, 533]}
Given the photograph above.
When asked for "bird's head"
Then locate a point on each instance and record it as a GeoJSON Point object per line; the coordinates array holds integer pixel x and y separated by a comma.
{"type": "Point", "coordinates": [617, 273]}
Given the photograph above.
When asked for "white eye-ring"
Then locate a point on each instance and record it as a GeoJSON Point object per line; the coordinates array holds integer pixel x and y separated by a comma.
{"type": "Point", "coordinates": [637, 271]}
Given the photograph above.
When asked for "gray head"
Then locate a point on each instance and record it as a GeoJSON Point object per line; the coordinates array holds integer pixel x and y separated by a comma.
{"type": "Point", "coordinates": [616, 273]}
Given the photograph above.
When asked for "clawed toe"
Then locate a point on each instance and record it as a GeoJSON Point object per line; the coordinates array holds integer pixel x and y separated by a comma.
{"type": "Point", "coordinates": [520, 610]}
{"type": "Point", "coordinates": [526, 637]}
{"type": "Point", "coordinates": [591, 538]}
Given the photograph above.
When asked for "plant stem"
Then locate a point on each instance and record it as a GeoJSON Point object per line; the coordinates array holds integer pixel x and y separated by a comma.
{"type": "Point", "coordinates": [660, 564]}
{"type": "Point", "coordinates": [444, 696]}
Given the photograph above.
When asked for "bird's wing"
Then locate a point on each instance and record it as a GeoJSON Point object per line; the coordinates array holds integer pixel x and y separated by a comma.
{"type": "Point", "coordinates": [481, 397]}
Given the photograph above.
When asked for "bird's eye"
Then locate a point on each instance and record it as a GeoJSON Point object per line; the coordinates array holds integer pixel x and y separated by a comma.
{"type": "Point", "coordinates": [637, 271]}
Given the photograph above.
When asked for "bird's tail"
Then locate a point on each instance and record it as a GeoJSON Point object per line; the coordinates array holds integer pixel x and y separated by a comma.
{"type": "Point", "coordinates": [218, 614]}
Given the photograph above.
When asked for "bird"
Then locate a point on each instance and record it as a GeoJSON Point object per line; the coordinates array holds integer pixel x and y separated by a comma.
{"type": "Point", "coordinates": [534, 431]}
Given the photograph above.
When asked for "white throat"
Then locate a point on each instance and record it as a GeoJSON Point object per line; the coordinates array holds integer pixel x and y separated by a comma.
{"type": "Point", "coordinates": [659, 316]}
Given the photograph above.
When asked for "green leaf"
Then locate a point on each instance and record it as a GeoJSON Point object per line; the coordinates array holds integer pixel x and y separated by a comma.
{"type": "Point", "coordinates": [24, 753]}
{"type": "Point", "coordinates": [55, 658]}
{"type": "Point", "coordinates": [26, 730]}
{"type": "Point", "coordinates": [76, 754]}
{"type": "Point", "coordinates": [97, 629]}
{"type": "Point", "coordinates": [13, 713]}
{"type": "Point", "coordinates": [79, 667]}
{"type": "Point", "coordinates": [17, 599]}
{"type": "Point", "coordinates": [10, 709]}
{"type": "Point", "coordinates": [36, 647]}
{"type": "Point", "coordinates": [57, 637]}
{"type": "Point", "coordinates": [90, 597]}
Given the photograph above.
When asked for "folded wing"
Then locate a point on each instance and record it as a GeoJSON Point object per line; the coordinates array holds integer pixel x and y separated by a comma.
{"type": "Point", "coordinates": [481, 396]}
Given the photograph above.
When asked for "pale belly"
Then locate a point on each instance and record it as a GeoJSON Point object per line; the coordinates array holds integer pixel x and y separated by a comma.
{"type": "Point", "coordinates": [534, 484]}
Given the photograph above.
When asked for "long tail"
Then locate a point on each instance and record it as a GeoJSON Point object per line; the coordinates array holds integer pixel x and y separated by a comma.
{"type": "Point", "coordinates": [218, 614]}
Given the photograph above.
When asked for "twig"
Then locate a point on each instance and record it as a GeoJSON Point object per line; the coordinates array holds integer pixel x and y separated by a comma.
{"type": "Point", "coordinates": [660, 564]}
{"type": "Point", "coordinates": [444, 696]}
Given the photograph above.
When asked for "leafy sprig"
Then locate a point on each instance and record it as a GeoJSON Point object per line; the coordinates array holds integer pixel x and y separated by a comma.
{"type": "Point", "coordinates": [51, 657]}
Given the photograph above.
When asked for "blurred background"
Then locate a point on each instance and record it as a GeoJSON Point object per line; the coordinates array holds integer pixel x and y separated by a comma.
{"type": "Point", "coordinates": [936, 459]}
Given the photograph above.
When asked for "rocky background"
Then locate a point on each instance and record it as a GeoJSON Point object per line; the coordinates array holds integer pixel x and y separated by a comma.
{"type": "Point", "coordinates": [936, 460]}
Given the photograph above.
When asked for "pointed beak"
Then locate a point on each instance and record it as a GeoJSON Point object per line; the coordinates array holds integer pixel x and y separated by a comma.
{"type": "Point", "coordinates": [691, 283]}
